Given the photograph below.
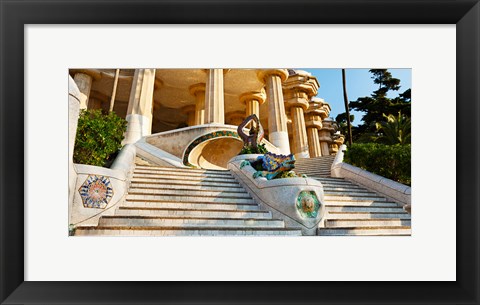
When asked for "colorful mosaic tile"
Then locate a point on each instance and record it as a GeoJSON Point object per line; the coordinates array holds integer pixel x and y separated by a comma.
{"type": "Point", "coordinates": [308, 204]}
{"type": "Point", "coordinates": [205, 137]}
{"type": "Point", "coordinates": [96, 192]}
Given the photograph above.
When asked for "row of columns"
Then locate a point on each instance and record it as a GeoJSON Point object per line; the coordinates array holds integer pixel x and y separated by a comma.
{"type": "Point", "coordinates": [311, 138]}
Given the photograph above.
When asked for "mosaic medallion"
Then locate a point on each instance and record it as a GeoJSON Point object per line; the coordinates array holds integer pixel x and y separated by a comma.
{"type": "Point", "coordinates": [96, 192]}
{"type": "Point", "coordinates": [308, 204]}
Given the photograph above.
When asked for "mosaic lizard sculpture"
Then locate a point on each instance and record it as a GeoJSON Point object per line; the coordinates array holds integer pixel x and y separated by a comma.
{"type": "Point", "coordinates": [270, 165]}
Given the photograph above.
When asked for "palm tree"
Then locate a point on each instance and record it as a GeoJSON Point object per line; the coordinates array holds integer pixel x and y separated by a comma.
{"type": "Point", "coordinates": [347, 110]}
{"type": "Point", "coordinates": [396, 130]}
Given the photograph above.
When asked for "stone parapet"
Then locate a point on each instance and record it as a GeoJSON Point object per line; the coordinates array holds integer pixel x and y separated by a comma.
{"type": "Point", "coordinates": [282, 197]}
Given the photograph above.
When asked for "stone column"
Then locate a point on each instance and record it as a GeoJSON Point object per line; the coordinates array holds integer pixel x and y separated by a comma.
{"type": "Point", "coordinates": [214, 97]}
{"type": "Point", "coordinates": [325, 137]}
{"type": "Point", "coordinates": [189, 110]}
{"type": "Point", "coordinates": [277, 120]}
{"type": "Point", "coordinates": [83, 79]}
{"type": "Point", "coordinates": [252, 101]}
{"type": "Point", "coordinates": [298, 89]}
{"type": "Point", "coordinates": [140, 106]}
{"type": "Point", "coordinates": [198, 90]}
{"type": "Point", "coordinates": [74, 99]}
{"type": "Point", "coordinates": [314, 124]}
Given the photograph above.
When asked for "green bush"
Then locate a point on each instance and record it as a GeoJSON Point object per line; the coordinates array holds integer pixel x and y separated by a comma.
{"type": "Point", "coordinates": [390, 161]}
{"type": "Point", "coordinates": [98, 138]}
{"type": "Point", "coordinates": [247, 149]}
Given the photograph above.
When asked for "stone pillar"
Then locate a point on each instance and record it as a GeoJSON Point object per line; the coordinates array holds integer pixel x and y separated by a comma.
{"type": "Point", "coordinates": [83, 79]}
{"type": "Point", "coordinates": [74, 99]}
{"type": "Point", "coordinates": [198, 90]}
{"type": "Point", "coordinates": [277, 120]}
{"type": "Point", "coordinates": [338, 140]}
{"type": "Point", "coordinates": [252, 101]}
{"type": "Point", "coordinates": [84, 84]}
{"type": "Point", "coordinates": [189, 110]}
{"type": "Point", "coordinates": [298, 89]}
{"type": "Point", "coordinates": [140, 106]}
{"type": "Point", "coordinates": [325, 137]}
{"type": "Point", "coordinates": [314, 124]}
{"type": "Point", "coordinates": [214, 97]}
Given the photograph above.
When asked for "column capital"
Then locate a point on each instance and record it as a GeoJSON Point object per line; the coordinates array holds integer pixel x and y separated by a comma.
{"type": "Point", "coordinates": [314, 124]}
{"type": "Point", "coordinates": [294, 98]}
{"type": "Point", "coordinates": [263, 73]}
{"type": "Point", "coordinates": [259, 96]}
{"type": "Point", "coordinates": [197, 88]}
{"type": "Point", "coordinates": [321, 106]}
{"type": "Point", "coordinates": [93, 73]}
{"type": "Point", "coordinates": [328, 125]}
{"type": "Point", "coordinates": [302, 82]}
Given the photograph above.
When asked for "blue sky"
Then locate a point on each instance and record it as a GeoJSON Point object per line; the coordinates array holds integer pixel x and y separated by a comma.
{"type": "Point", "coordinates": [359, 84]}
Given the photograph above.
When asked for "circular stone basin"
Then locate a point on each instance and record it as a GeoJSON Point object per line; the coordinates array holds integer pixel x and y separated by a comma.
{"type": "Point", "coordinates": [215, 153]}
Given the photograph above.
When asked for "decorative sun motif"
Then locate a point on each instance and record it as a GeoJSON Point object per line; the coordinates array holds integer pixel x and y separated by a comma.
{"type": "Point", "coordinates": [308, 204]}
{"type": "Point", "coordinates": [96, 192]}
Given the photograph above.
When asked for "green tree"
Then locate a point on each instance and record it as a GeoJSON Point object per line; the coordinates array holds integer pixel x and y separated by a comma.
{"type": "Point", "coordinates": [341, 120]}
{"type": "Point", "coordinates": [98, 137]}
{"type": "Point", "coordinates": [378, 104]}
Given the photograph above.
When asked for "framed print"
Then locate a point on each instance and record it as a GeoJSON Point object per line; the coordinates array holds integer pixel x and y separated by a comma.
{"type": "Point", "coordinates": [42, 42]}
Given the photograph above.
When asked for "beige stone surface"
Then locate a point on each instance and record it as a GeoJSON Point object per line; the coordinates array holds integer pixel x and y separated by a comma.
{"type": "Point", "coordinates": [84, 84]}
{"type": "Point", "coordinates": [214, 97]}
{"type": "Point", "coordinates": [277, 120]}
{"type": "Point", "coordinates": [140, 106]}
{"type": "Point", "coordinates": [198, 90]}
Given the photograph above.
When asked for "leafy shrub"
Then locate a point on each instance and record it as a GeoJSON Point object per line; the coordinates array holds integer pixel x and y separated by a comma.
{"type": "Point", "coordinates": [98, 138]}
{"type": "Point", "coordinates": [390, 161]}
{"type": "Point", "coordinates": [247, 149]}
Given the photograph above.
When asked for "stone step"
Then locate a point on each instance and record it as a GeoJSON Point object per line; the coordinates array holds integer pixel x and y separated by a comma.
{"type": "Point", "coordinates": [357, 223]}
{"type": "Point", "coordinates": [372, 231]}
{"type": "Point", "coordinates": [313, 167]}
{"type": "Point", "coordinates": [360, 203]}
{"type": "Point", "coordinates": [371, 209]}
{"type": "Point", "coordinates": [313, 174]}
{"type": "Point", "coordinates": [188, 198]}
{"type": "Point", "coordinates": [185, 178]}
{"type": "Point", "coordinates": [146, 221]}
{"type": "Point", "coordinates": [193, 231]}
{"type": "Point", "coordinates": [355, 198]}
{"type": "Point", "coordinates": [332, 179]}
{"type": "Point", "coordinates": [181, 174]}
{"type": "Point", "coordinates": [351, 193]}
{"type": "Point", "coordinates": [181, 169]}
{"type": "Point", "coordinates": [334, 189]}
{"type": "Point", "coordinates": [127, 211]}
{"type": "Point", "coordinates": [168, 181]}
{"type": "Point", "coordinates": [332, 182]}
{"type": "Point", "coordinates": [366, 215]}
{"type": "Point", "coordinates": [191, 205]}
{"type": "Point", "coordinates": [197, 187]}
{"type": "Point", "coordinates": [187, 192]}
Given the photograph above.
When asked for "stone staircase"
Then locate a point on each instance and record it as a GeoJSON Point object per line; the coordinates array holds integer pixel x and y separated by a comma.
{"type": "Point", "coordinates": [315, 167]}
{"type": "Point", "coordinates": [352, 209]}
{"type": "Point", "coordinates": [187, 202]}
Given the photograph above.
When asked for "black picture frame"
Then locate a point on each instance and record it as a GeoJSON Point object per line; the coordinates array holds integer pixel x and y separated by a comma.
{"type": "Point", "coordinates": [15, 14]}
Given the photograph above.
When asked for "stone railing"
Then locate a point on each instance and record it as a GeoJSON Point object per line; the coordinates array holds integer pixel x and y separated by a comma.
{"type": "Point", "coordinates": [393, 190]}
{"type": "Point", "coordinates": [297, 201]}
{"type": "Point", "coordinates": [99, 190]}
